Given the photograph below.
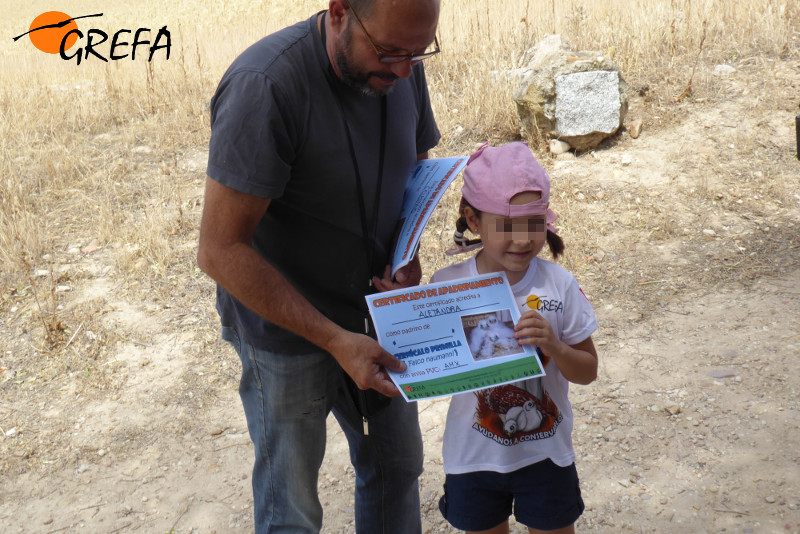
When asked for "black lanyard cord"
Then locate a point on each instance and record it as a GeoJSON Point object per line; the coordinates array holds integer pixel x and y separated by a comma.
{"type": "Point", "coordinates": [367, 402]}
{"type": "Point", "coordinates": [370, 238]}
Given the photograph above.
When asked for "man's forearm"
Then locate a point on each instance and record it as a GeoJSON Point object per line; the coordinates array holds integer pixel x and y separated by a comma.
{"type": "Point", "coordinates": [259, 286]}
{"type": "Point", "coordinates": [225, 254]}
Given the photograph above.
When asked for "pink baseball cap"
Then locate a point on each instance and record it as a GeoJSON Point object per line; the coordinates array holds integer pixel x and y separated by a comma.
{"type": "Point", "coordinates": [494, 175]}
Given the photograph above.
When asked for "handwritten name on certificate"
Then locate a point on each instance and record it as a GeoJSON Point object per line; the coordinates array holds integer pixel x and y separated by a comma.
{"type": "Point", "coordinates": [455, 336]}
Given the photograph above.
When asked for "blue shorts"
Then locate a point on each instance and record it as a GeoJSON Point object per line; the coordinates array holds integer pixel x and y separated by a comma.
{"type": "Point", "coordinates": [544, 497]}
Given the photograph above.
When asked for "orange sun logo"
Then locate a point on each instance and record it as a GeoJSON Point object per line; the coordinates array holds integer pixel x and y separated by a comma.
{"type": "Point", "coordinates": [534, 302]}
{"type": "Point", "coordinates": [47, 31]}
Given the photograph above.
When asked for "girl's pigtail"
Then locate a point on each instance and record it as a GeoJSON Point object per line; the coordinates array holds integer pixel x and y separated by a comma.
{"type": "Point", "coordinates": [462, 243]}
{"type": "Point", "coordinates": [555, 243]}
{"type": "Point", "coordinates": [458, 235]}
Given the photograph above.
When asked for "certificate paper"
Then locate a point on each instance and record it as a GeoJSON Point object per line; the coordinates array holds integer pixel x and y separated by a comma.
{"type": "Point", "coordinates": [425, 188]}
{"type": "Point", "coordinates": [455, 336]}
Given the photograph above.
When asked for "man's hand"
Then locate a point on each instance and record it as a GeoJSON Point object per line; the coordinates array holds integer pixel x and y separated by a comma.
{"type": "Point", "coordinates": [407, 276]}
{"type": "Point", "coordinates": [366, 362]}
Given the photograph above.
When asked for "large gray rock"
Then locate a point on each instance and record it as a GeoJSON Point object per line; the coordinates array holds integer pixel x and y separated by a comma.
{"type": "Point", "coordinates": [578, 97]}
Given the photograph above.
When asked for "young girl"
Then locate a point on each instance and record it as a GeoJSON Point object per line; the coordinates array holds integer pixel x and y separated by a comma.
{"type": "Point", "coordinates": [510, 447]}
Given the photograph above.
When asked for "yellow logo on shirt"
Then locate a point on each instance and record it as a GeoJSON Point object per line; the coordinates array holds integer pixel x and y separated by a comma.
{"type": "Point", "coordinates": [533, 302]}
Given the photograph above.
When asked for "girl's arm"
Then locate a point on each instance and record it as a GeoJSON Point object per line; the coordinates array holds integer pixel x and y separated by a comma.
{"type": "Point", "coordinates": [578, 362]}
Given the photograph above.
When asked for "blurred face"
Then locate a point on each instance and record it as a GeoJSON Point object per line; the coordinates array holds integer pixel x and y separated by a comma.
{"type": "Point", "coordinates": [405, 27]}
{"type": "Point", "coordinates": [509, 244]}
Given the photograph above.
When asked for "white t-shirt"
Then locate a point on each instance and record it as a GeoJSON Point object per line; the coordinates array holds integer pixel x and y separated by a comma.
{"type": "Point", "coordinates": [508, 427]}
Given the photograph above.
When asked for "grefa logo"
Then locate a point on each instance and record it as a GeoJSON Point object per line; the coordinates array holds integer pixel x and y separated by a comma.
{"type": "Point", "coordinates": [55, 32]}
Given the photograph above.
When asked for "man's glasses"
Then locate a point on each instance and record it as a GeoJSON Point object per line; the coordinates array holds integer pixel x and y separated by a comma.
{"type": "Point", "coordinates": [395, 58]}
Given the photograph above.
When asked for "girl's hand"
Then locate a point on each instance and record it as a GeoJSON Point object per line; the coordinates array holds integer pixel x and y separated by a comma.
{"type": "Point", "coordinates": [533, 329]}
{"type": "Point", "coordinates": [578, 362]}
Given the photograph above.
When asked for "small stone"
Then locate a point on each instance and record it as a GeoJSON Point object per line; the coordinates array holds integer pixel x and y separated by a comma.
{"type": "Point", "coordinates": [722, 373]}
{"type": "Point", "coordinates": [91, 247]}
{"type": "Point", "coordinates": [770, 499]}
{"type": "Point", "coordinates": [557, 146]}
{"type": "Point", "coordinates": [673, 409]}
{"type": "Point", "coordinates": [626, 160]}
{"type": "Point", "coordinates": [709, 232]}
{"type": "Point", "coordinates": [635, 129]}
{"type": "Point", "coordinates": [62, 289]}
{"type": "Point", "coordinates": [723, 70]}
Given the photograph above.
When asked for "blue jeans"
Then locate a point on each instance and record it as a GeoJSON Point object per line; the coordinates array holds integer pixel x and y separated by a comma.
{"type": "Point", "coordinates": [286, 400]}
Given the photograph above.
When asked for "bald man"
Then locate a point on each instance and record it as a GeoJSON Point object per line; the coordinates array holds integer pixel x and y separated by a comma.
{"type": "Point", "coordinates": [314, 132]}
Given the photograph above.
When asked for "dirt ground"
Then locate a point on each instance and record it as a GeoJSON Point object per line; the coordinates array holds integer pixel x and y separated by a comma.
{"type": "Point", "coordinates": [686, 240]}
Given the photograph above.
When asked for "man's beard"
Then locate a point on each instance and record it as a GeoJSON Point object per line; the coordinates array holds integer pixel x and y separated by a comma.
{"type": "Point", "coordinates": [354, 78]}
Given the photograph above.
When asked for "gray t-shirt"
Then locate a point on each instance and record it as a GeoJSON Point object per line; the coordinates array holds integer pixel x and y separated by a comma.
{"type": "Point", "coordinates": [278, 132]}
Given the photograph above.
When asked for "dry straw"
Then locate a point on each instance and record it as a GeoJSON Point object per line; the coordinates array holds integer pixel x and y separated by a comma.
{"type": "Point", "coordinates": [94, 151]}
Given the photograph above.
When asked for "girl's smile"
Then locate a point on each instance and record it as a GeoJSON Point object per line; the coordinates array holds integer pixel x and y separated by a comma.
{"type": "Point", "coordinates": [525, 255]}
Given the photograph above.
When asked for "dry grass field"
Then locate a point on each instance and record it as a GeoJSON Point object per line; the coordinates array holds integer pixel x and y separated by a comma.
{"type": "Point", "coordinates": [118, 404]}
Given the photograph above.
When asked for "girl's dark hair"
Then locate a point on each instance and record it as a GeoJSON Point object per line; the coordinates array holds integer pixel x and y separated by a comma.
{"type": "Point", "coordinates": [554, 242]}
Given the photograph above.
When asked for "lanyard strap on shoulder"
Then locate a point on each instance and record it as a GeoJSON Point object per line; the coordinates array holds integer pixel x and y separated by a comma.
{"type": "Point", "coordinates": [369, 237]}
